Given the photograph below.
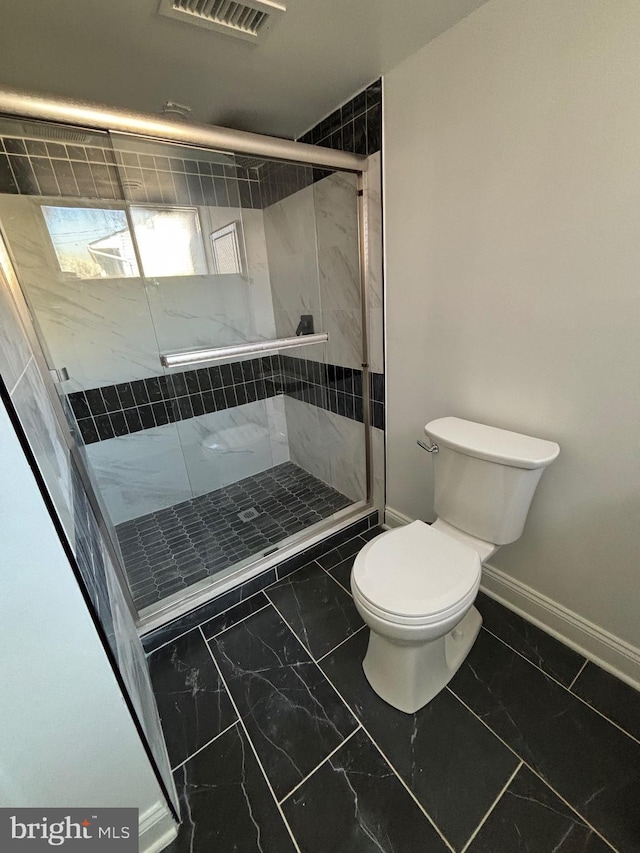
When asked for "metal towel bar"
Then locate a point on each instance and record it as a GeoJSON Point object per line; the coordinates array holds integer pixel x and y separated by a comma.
{"type": "Point", "coordinates": [184, 359]}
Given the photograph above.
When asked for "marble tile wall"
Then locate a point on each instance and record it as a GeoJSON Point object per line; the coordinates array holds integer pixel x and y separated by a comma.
{"type": "Point", "coordinates": [333, 289]}
{"type": "Point", "coordinates": [147, 471]}
{"type": "Point", "coordinates": [312, 246]}
{"type": "Point", "coordinates": [290, 234]}
{"type": "Point", "coordinates": [109, 331]}
{"type": "Point", "coordinates": [112, 331]}
{"type": "Point", "coordinates": [25, 384]}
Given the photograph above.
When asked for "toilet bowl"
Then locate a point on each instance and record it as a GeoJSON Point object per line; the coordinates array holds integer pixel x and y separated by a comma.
{"type": "Point", "coordinates": [415, 587]}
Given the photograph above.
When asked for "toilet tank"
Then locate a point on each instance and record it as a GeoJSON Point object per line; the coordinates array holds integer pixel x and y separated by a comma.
{"type": "Point", "coordinates": [486, 477]}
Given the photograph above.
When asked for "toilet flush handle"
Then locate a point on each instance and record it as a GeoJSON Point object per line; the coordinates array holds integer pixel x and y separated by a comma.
{"type": "Point", "coordinates": [430, 448]}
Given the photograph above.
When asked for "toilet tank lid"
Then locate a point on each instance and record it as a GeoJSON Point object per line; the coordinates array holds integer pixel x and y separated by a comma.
{"type": "Point", "coordinates": [491, 443]}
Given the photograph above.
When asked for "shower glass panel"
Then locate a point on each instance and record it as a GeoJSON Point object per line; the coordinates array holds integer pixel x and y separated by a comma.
{"type": "Point", "coordinates": [131, 249]}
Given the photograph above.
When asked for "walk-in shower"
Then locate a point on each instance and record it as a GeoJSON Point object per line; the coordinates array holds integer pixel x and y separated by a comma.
{"type": "Point", "coordinates": [200, 299]}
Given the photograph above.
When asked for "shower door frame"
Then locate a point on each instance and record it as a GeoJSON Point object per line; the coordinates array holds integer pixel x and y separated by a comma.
{"type": "Point", "coordinates": [15, 103]}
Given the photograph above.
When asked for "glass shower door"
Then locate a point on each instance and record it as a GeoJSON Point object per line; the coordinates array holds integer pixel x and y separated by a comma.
{"type": "Point", "coordinates": [243, 493]}
{"type": "Point", "coordinates": [132, 250]}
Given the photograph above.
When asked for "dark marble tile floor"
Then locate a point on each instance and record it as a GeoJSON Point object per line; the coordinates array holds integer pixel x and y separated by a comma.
{"type": "Point", "coordinates": [279, 743]}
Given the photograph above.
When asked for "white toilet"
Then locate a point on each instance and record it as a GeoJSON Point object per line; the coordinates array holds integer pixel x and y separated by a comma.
{"type": "Point", "coordinates": [414, 586]}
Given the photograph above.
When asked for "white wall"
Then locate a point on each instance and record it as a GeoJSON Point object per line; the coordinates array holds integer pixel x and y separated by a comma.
{"type": "Point", "coordinates": [67, 738]}
{"type": "Point", "coordinates": [512, 193]}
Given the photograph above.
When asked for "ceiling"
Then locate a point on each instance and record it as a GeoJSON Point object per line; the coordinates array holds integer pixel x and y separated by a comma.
{"type": "Point", "coordinates": [122, 53]}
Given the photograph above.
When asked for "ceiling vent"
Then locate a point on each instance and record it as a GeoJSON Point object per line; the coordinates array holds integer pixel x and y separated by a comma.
{"type": "Point", "coordinates": [250, 20]}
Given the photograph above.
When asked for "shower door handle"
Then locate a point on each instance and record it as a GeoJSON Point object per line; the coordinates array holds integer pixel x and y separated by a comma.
{"type": "Point", "coordinates": [188, 359]}
{"type": "Point", "coordinates": [59, 374]}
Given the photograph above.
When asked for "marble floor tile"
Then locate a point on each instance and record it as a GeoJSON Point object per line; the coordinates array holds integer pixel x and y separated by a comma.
{"type": "Point", "coordinates": [226, 804]}
{"type": "Point", "coordinates": [292, 714]}
{"type": "Point", "coordinates": [354, 802]}
{"type": "Point", "coordinates": [318, 610]}
{"type": "Point", "coordinates": [530, 818]}
{"type": "Point", "coordinates": [346, 551]}
{"type": "Point", "coordinates": [342, 573]}
{"type": "Point", "coordinates": [593, 765]}
{"type": "Point", "coordinates": [612, 697]}
{"type": "Point", "coordinates": [453, 764]}
{"type": "Point", "coordinates": [234, 615]}
{"type": "Point", "coordinates": [552, 656]}
{"type": "Point", "coordinates": [192, 701]}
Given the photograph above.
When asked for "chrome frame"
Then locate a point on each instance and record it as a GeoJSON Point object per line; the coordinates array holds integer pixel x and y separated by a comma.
{"type": "Point", "coordinates": [17, 103]}
{"type": "Point", "coordinates": [32, 105]}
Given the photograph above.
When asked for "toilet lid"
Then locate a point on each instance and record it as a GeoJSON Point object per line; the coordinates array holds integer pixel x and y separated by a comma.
{"type": "Point", "coordinates": [415, 571]}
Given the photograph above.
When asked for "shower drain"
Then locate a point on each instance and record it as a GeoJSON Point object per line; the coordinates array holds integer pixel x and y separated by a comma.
{"type": "Point", "coordinates": [248, 514]}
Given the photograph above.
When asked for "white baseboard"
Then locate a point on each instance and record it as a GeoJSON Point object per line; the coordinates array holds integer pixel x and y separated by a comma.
{"type": "Point", "coordinates": [157, 828]}
{"type": "Point", "coordinates": [395, 518]}
{"type": "Point", "coordinates": [603, 648]}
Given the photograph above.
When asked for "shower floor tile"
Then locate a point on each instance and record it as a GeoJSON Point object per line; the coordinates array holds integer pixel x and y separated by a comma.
{"type": "Point", "coordinates": [168, 550]}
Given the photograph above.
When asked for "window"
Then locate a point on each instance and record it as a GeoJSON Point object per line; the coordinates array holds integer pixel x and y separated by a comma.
{"type": "Point", "coordinates": [93, 242]}
{"type": "Point", "coordinates": [169, 241]}
{"type": "Point", "coordinates": [225, 250]}
{"type": "Point", "coordinates": [90, 242]}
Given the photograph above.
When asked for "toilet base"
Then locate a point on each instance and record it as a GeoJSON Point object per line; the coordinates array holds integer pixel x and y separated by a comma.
{"type": "Point", "coordinates": [409, 675]}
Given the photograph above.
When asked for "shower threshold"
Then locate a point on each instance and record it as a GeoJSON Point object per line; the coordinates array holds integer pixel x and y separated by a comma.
{"type": "Point", "coordinates": [168, 551]}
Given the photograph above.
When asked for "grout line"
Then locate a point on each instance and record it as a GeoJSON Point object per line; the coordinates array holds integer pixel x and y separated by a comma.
{"type": "Point", "coordinates": [238, 621]}
{"type": "Point", "coordinates": [182, 763]}
{"type": "Point", "coordinates": [24, 370]}
{"type": "Point", "coordinates": [304, 645]}
{"type": "Point", "coordinates": [342, 642]}
{"type": "Point", "coordinates": [492, 806]}
{"type": "Point", "coordinates": [253, 749]}
{"type": "Point", "coordinates": [529, 767]}
{"type": "Point", "coordinates": [578, 674]}
{"type": "Point", "coordinates": [322, 657]}
{"type": "Point", "coordinates": [328, 571]}
{"type": "Point", "coordinates": [572, 808]}
{"type": "Point", "coordinates": [563, 686]}
{"type": "Point", "coordinates": [360, 725]}
{"type": "Point", "coordinates": [401, 780]}
{"type": "Point", "coordinates": [173, 639]}
{"type": "Point", "coordinates": [318, 766]}
{"type": "Point", "coordinates": [356, 720]}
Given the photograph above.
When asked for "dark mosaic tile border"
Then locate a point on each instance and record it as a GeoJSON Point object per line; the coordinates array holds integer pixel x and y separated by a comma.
{"type": "Point", "coordinates": [355, 126]}
{"type": "Point", "coordinates": [334, 388]}
{"type": "Point", "coordinates": [242, 592]}
{"type": "Point", "coordinates": [54, 169]}
{"type": "Point", "coordinates": [32, 167]}
{"type": "Point", "coordinates": [116, 410]}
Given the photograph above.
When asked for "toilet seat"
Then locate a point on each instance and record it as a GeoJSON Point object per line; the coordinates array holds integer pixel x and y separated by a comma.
{"type": "Point", "coordinates": [415, 575]}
